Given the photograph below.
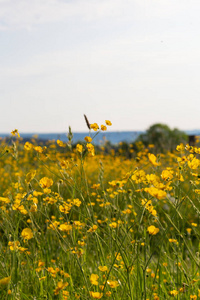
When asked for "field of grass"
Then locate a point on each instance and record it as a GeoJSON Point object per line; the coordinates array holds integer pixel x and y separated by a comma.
{"type": "Point", "coordinates": [80, 223]}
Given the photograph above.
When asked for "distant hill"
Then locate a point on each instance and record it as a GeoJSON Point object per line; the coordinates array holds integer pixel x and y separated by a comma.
{"type": "Point", "coordinates": [113, 137]}
{"type": "Point", "coordinates": [193, 132]}
{"type": "Point", "coordinates": [101, 137]}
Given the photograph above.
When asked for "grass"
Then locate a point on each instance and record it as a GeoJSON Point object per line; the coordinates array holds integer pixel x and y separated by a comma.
{"type": "Point", "coordinates": [76, 224]}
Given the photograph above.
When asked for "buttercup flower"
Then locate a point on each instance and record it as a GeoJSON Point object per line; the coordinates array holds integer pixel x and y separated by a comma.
{"type": "Point", "coordinates": [15, 132]}
{"type": "Point", "coordinates": [94, 278]}
{"type": "Point", "coordinates": [173, 293]}
{"type": "Point", "coordinates": [90, 148]}
{"type": "Point", "coordinates": [5, 281]}
{"type": "Point", "coordinates": [152, 159]}
{"type": "Point", "coordinates": [27, 234]}
{"type": "Point", "coordinates": [79, 148]}
{"type": "Point", "coordinates": [88, 139]}
{"type": "Point", "coordinates": [94, 126]}
{"type": "Point", "coordinates": [103, 128]}
{"type": "Point", "coordinates": [61, 144]}
{"type": "Point", "coordinates": [28, 146]}
{"type": "Point", "coordinates": [46, 182]}
{"type": "Point", "coordinates": [103, 268]}
{"type": "Point", "coordinates": [96, 295]}
{"type": "Point", "coordinates": [108, 123]}
{"type": "Point", "coordinates": [113, 283]}
{"type": "Point", "coordinates": [152, 230]}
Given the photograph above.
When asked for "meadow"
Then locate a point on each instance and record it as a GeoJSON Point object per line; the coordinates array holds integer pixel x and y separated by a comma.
{"type": "Point", "coordinates": [85, 223]}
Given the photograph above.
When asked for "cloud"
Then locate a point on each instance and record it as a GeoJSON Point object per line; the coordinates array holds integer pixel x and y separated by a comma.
{"type": "Point", "coordinates": [28, 13]}
{"type": "Point", "coordinates": [107, 50]}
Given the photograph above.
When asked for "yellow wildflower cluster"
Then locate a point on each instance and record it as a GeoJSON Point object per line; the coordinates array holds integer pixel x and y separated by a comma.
{"type": "Point", "coordinates": [81, 222]}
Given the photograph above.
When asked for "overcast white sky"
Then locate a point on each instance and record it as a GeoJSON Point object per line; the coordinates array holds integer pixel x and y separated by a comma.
{"type": "Point", "coordinates": [134, 62]}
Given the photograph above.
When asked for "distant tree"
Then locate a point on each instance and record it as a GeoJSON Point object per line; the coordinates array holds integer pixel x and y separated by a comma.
{"type": "Point", "coordinates": [164, 138]}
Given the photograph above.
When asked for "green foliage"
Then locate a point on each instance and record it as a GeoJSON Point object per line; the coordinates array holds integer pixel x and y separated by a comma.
{"type": "Point", "coordinates": [164, 138]}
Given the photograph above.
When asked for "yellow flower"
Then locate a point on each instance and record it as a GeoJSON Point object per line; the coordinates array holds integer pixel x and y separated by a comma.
{"type": "Point", "coordinates": [151, 145]}
{"type": "Point", "coordinates": [93, 229]}
{"type": "Point", "coordinates": [103, 268]}
{"type": "Point", "coordinates": [5, 281]}
{"type": "Point", "coordinates": [15, 132]}
{"type": "Point", "coordinates": [61, 144]}
{"type": "Point", "coordinates": [76, 202]}
{"type": "Point", "coordinates": [159, 194]}
{"type": "Point", "coordinates": [64, 164]}
{"type": "Point", "coordinates": [14, 245]}
{"type": "Point", "coordinates": [60, 286]}
{"type": "Point", "coordinates": [139, 176]}
{"type": "Point", "coordinates": [152, 230]}
{"type": "Point", "coordinates": [148, 270]}
{"type": "Point", "coordinates": [103, 128]}
{"type": "Point", "coordinates": [41, 263]}
{"type": "Point", "coordinates": [173, 241]}
{"type": "Point", "coordinates": [165, 264]}
{"type": "Point", "coordinates": [48, 191]}
{"type": "Point", "coordinates": [108, 123]}
{"type": "Point", "coordinates": [4, 200]}
{"type": "Point", "coordinates": [90, 148]}
{"type": "Point", "coordinates": [113, 283]}
{"type": "Point", "coordinates": [79, 148]}
{"type": "Point", "coordinates": [28, 146]}
{"type": "Point", "coordinates": [173, 293]}
{"type": "Point", "coordinates": [81, 243]}
{"type": "Point", "coordinates": [180, 148]}
{"type": "Point", "coordinates": [167, 175]}
{"type": "Point", "coordinates": [38, 149]}
{"type": "Point", "coordinates": [96, 295]}
{"type": "Point", "coordinates": [152, 159]}
{"type": "Point", "coordinates": [95, 186]}
{"type": "Point", "coordinates": [113, 225]}
{"type": "Point", "coordinates": [27, 234]}
{"type": "Point", "coordinates": [94, 278]}
{"type": "Point", "coordinates": [194, 163]}
{"type": "Point", "coordinates": [194, 297]}
{"type": "Point", "coordinates": [65, 227]}
{"type": "Point", "coordinates": [22, 249]}
{"type": "Point", "coordinates": [42, 278]}
{"type": "Point", "coordinates": [88, 139]}
{"type": "Point", "coordinates": [33, 208]}
{"type": "Point", "coordinates": [94, 126]}
{"type": "Point", "coordinates": [46, 182]}
{"type": "Point", "coordinates": [65, 208]}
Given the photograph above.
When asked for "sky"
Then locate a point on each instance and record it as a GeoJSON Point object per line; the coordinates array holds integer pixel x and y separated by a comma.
{"type": "Point", "coordinates": [133, 62]}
